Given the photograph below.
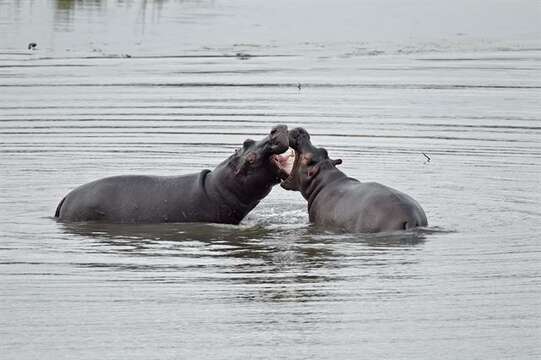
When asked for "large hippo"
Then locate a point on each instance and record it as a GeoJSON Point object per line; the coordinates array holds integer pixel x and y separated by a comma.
{"type": "Point", "coordinates": [338, 201]}
{"type": "Point", "coordinates": [223, 195]}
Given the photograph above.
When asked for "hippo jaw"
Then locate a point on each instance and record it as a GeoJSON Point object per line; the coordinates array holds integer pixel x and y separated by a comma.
{"type": "Point", "coordinates": [278, 139]}
{"type": "Point", "coordinates": [299, 139]}
{"type": "Point", "coordinates": [259, 162]}
{"type": "Point", "coordinates": [289, 171]}
{"type": "Point", "coordinates": [284, 163]}
{"type": "Point", "coordinates": [308, 160]}
{"type": "Point", "coordinates": [282, 155]}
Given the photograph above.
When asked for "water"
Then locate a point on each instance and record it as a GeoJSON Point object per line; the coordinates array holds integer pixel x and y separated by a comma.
{"type": "Point", "coordinates": [172, 87]}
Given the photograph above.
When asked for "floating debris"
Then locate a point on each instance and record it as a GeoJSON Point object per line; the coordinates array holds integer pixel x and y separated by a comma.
{"type": "Point", "coordinates": [32, 46]}
{"type": "Point", "coordinates": [427, 157]}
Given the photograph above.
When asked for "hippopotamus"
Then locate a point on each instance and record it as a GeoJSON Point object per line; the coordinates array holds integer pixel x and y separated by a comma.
{"type": "Point", "coordinates": [344, 203]}
{"type": "Point", "coordinates": [224, 195]}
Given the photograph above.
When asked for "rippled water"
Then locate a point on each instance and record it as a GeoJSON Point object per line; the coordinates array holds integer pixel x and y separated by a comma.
{"type": "Point", "coordinates": [172, 87]}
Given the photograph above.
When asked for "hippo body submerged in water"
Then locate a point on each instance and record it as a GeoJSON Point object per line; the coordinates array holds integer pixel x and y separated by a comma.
{"type": "Point", "coordinates": [338, 201]}
{"type": "Point", "coordinates": [225, 195]}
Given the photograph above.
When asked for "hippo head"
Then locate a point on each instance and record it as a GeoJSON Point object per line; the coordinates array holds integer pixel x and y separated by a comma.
{"type": "Point", "coordinates": [256, 166]}
{"type": "Point", "coordinates": [309, 160]}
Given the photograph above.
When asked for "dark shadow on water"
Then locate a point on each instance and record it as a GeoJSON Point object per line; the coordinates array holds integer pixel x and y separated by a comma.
{"type": "Point", "coordinates": [209, 240]}
{"type": "Point", "coordinates": [243, 241]}
{"type": "Point", "coordinates": [384, 239]}
{"type": "Point", "coordinates": [286, 264]}
{"type": "Point", "coordinates": [178, 232]}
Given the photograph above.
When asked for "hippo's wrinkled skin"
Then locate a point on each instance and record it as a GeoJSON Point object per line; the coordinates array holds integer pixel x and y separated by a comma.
{"type": "Point", "coordinates": [224, 195]}
{"type": "Point", "coordinates": [338, 201]}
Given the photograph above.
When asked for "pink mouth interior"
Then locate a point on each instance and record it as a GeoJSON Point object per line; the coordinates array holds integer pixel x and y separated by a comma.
{"type": "Point", "coordinates": [285, 162]}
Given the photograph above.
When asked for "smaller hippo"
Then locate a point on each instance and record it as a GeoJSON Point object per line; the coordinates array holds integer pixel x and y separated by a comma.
{"type": "Point", "coordinates": [338, 201]}
{"type": "Point", "coordinates": [225, 195]}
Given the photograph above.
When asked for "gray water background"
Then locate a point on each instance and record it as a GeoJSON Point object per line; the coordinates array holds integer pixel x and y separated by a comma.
{"type": "Point", "coordinates": [173, 87]}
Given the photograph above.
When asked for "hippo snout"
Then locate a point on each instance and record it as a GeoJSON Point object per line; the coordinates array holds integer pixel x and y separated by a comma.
{"type": "Point", "coordinates": [279, 138]}
{"type": "Point", "coordinates": [298, 137]}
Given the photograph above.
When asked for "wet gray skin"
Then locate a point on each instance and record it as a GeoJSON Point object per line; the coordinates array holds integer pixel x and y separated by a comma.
{"type": "Point", "coordinates": [340, 202]}
{"type": "Point", "coordinates": [225, 195]}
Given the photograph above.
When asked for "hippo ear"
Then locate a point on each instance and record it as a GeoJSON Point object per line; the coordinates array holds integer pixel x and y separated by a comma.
{"type": "Point", "coordinates": [336, 162]}
{"type": "Point", "coordinates": [247, 143]}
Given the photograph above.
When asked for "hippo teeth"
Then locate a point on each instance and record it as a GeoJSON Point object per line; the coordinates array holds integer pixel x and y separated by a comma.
{"type": "Point", "coordinates": [284, 162]}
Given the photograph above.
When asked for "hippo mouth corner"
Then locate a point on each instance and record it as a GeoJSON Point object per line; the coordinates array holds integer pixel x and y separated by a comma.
{"type": "Point", "coordinates": [285, 163]}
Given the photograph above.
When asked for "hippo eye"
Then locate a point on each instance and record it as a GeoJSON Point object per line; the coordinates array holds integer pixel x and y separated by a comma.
{"type": "Point", "coordinates": [251, 158]}
{"type": "Point", "coordinates": [247, 143]}
{"type": "Point", "coordinates": [308, 159]}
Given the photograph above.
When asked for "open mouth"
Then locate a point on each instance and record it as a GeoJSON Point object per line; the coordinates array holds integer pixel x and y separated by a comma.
{"type": "Point", "coordinates": [284, 162]}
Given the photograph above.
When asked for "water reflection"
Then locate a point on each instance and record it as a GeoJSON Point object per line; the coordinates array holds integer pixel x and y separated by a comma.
{"type": "Point", "coordinates": [71, 4]}
{"type": "Point", "coordinates": [241, 242]}
{"type": "Point", "coordinates": [237, 237]}
{"type": "Point", "coordinates": [74, 4]}
{"type": "Point", "coordinates": [65, 9]}
{"type": "Point", "coordinates": [64, 12]}
{"type": "Point", "coordinates": [255, 246]}
{"type": "Point", "coordinates": [256, 263]}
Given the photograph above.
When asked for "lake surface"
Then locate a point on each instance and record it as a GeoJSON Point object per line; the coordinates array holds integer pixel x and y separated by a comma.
{"type": "Point", "coordinates": [173, 87]}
